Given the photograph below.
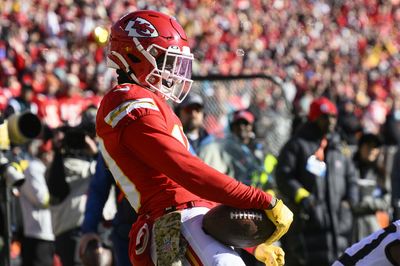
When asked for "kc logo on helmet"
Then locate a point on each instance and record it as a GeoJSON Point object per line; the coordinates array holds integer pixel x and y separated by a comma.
{"type": "Point", "coordinates": [139, 27]}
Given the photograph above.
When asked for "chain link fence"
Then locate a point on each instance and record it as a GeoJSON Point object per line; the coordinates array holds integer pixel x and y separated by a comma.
{"type": "Point", "coordinates": [263, 95]}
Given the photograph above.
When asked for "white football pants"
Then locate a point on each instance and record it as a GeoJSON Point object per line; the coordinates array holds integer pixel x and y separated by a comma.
{"type": "Point", "coordinates": [202, 249]}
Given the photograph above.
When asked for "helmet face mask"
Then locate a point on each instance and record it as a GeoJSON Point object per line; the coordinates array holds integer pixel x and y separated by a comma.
{"type": "Point", "coordinates": [152, 49]}
{"type": "Point", "coordinates": [171, 76]}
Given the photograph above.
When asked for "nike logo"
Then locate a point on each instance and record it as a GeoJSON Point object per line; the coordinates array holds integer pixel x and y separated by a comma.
{"type": "Point", "coordinates": [122, 89]}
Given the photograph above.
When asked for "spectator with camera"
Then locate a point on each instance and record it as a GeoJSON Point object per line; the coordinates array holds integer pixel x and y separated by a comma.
{"type": "Point", "coordinates": [18, 129]}
{"type": "Point", "coordinates": [68, 179]}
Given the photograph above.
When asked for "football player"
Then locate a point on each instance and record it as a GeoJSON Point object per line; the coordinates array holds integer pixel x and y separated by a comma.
{"type": "Point", "coordinates": [380, 248]}
{"type": "Point", "coordinates": [142, 142]}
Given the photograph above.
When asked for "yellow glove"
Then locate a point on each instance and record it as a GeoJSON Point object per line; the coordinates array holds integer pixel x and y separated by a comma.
{"type": "Point", "coordinates": [282, 217]}
{"type": "Point", "coordinates": [270, 255]}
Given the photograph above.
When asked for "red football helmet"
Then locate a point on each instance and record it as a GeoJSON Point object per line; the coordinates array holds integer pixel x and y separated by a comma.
{"type": "Point", "coordinates": [153, 50]}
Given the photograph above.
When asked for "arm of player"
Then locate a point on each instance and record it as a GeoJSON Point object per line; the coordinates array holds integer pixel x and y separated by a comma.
{"type": "Point", "coordinates": [172, 158]}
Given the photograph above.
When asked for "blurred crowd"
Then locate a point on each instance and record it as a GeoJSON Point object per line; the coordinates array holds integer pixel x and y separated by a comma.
{"type": "Point", "coordinates": [53, 64]}
{"type": "Point", "coordinates": [347, 49]}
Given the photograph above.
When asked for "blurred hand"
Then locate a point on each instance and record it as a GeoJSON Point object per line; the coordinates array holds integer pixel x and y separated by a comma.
{"type": "Point", "coordinates": [91, 144]}
{"type": "Point", "coordinates": [308, 204]}
{"type": "Point", "coordinates": [85, 238]}
{"type": "Point", "coordinates": [311, 212]}
{"type": "Point", "coordinates": [270, 255]}
{"type": "Point", "coordinates": [282, 217]}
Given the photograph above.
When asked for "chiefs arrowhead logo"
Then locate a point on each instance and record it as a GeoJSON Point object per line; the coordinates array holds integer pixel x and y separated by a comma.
{"type": "Point", "coordinates": [142, 238]}
{"type": "Point", "coordinates": [140, 27]}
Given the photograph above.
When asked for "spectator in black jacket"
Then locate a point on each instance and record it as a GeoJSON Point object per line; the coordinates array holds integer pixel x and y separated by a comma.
{"type": "Point", "coordinates": [373, 195]}
{"type": "Point", "coordinates": [317, 177]}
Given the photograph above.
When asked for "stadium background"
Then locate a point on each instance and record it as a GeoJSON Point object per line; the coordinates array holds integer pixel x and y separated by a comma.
{"type": "Point", "coordinates": [225, 94]}
{"type": "Point", "coordinates": [272, 55]}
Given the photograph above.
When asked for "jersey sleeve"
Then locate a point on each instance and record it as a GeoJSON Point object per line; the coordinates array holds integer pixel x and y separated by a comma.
{"type": "Point", "coordinates": [148, 138]}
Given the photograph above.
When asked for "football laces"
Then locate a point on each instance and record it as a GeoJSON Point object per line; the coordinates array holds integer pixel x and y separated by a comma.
{"type": "Point", "coordinates": [239, 215]}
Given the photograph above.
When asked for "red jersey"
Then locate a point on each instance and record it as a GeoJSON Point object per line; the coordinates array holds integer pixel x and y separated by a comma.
{"type": "Point", "coordinates": [143, 144]}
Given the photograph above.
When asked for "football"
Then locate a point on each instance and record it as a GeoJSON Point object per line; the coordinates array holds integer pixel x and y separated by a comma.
{"type": "Point", "coordinates": [238, 227]}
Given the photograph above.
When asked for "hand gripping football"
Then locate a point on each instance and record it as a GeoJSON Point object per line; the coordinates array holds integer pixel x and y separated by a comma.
{"type": "Point", "coordinates": [238, 227]}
